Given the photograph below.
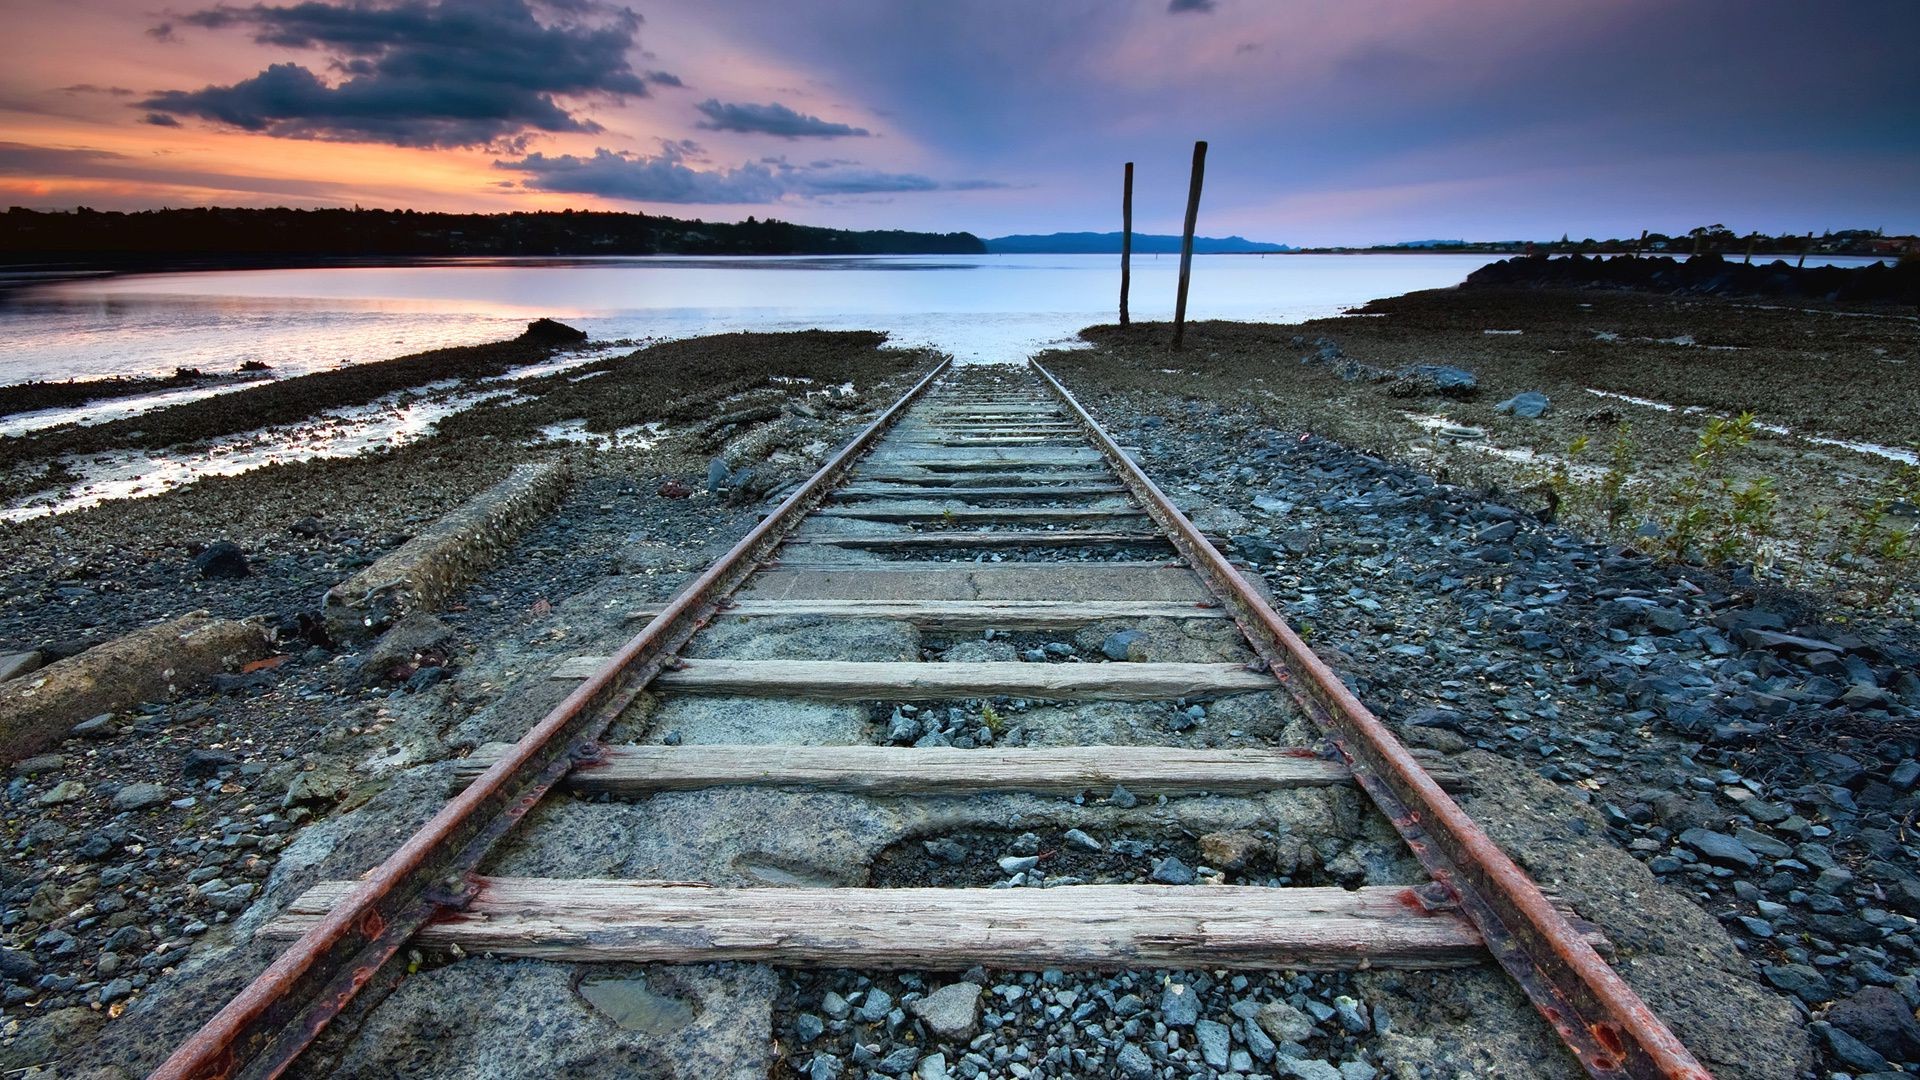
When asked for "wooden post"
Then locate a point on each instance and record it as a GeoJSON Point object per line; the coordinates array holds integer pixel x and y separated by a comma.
{"type": "Point", "coordinates": [1186, 242]}
{"type": "Point", "coordinates": [1641, 247]}
{"type": "Point", "coordinates": [1126, 240]}
{"type": "Point", "coordinates": [1805, 246]}
{"type": "Point", "coordinates": [1752, 239]}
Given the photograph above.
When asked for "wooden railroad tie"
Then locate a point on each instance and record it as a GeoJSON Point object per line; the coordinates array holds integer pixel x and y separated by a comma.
{"type": "Point", "coordinates": [904, 770]}
{"type": "Point", "coordinates": [1098, 927]}
{"type": "Point", "coordinates": [845, 680]}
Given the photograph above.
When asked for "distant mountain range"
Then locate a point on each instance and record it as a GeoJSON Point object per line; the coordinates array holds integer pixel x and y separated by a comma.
{"type": "Point", "coordinates": [1089, 243]}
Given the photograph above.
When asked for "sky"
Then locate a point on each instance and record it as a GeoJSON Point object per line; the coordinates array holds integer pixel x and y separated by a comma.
{"type": "Point", "coordinates": [1329, 121]}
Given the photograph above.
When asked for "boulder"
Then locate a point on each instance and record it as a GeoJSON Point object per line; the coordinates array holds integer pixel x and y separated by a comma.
{"type": "Point", "coordinates": [1531, 405]}
{"type": "Point", "coordinates": [417, 636]}
{"type": "Point", "coordinates": [222, 559]}
{"type": "Point", "coordinates": [1880, 1018]}
{"type": "Point", "coordinates": [549, 332]}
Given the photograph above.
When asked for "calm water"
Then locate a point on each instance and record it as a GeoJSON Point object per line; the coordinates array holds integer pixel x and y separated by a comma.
{"type": "Point", "coordinates": [986, 307]}
{"type": "Point", "coordinates": [990, 307]}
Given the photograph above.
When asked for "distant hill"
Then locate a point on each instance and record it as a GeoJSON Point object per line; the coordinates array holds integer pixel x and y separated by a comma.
{"type": "Point", "coordinates": [1089, 243]}
{"type": "Point", "coordinates": [229, 234]}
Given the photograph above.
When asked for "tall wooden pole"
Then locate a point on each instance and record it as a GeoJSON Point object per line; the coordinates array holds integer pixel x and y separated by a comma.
{"type": "Point", "coordinates": [1126, 240]}
{"type": "Point", "coordinates": [1805, 246]}
{"type": "Point", "coordinates": [1186, 242]}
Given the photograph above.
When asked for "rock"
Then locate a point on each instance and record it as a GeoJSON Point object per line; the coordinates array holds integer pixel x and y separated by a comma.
{"type": "Point", "coordinates": [1442, 379]}
{"type": "Point", "coordinates": [65, 791]}
{"type": "Point", "coordinates": [1311, 1069]}
{"type": "Point", "coordinates": [550, 332]}
{"type": "Point", "coordinates": [139, 796]}
{"type": "Point", "coordinates": [946, 850]}
{"type": "Point", "coordinates": [932, 1067]}
{"type": "Point", "coordinates": [327, 784]}
{"type": "Point", "coordinates": [1531, 405]}
{"type": "Point", "coordinates": [1720, 849]}
{"type": "Point", "coordinates": [1353, 1015]}
{"type": "Point", "coordinates": [222, 559]}
{"type": "Point", "coordinates": [875, 1008]}
{"type": "Point", "coordinates": [1801, 981]}
{"type": "Point", "coordinates": [951, 1012]}
{"type": "Point", "coordinates": [1179, 1005]}
{"type": "Point", "coordinates": [673, 489]}
{"type": "Point", "coordinates": [1171, 871]}
{"type": "Point", "coordinates": [1125, 645]}
{"type": "Point", "coordinates": [1076, 840]}
{"type": "Point", "coordinates": [1134, 1063]}
{"type": "Point", "coordinates": [1285, 1023]}
{"type": "Point", "coordinates": [14, 665]}
{"type": "Point", "coordinates": [1229, 850]}
{"type": "Point", "coordinates": [98, 727]}
{"type": "Point", "coordinates": [1850, 1051]}
{"type": "Point", "coordinates": [201, 764]}
{"type": "Point", "coordinates": [1881, 1019]}
{"type": "Point", "coordinates": [1122, 798]}
{"type": "Point", "coordinates": [1497, 534]}
{"type": "Point", "coordinates": [417, 636]}
{"type": "Point", "coordinates": [1018, 864]}
{"type": "Point", "coordinates": [18, 965]}
{"type": "Point", "coordinates": [718, 476]}
{"type": "Point", "coordinates": [1215, 1042]}
{"type": "Point", "coordinates": [42, 763]}
{"type": "Point", "coordinates": [1666, 619]}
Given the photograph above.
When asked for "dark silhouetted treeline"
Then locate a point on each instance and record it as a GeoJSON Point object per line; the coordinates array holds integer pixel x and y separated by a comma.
{"type": "Point", "coordinates": [269, 235]}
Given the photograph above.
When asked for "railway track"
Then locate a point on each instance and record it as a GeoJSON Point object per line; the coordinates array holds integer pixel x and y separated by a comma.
{"type": "Point", "coordinates": [901, 633]}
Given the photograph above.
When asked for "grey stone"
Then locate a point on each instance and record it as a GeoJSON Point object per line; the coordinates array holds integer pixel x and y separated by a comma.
{"type": "Point", "coordinates": [1134, 1063]}
{"type": "Point", "coordinates": [1310, 1069]}
{"type": "Point", "coordinates": [1720, 849]}
{"type": "Point", "coordinates": [1079, 841]}
{"type": "Point", "coordinates": [1851, 1051]}
{"type": "Point", "coordinates": [1285, 1023]}
{"type": "Point", "coordinates": [875, 1007]}
{"type": "Point", "coordinates": [1443, 379]}
{"type": "Point", "coordinates": [1215, 1042]}
{"type": "Point", "coordinates": [416, 635]}
{"type": "Point", "coordinates": [65, 791]}
{"type": "Point", "coordinates": [14, 665]}
{"type": "Point", "coordinates": [139, 796]}
{"type": "Point", "coordinates": [1171, 871]}
{"type": "Point", "coordinates": [718, 475]}
{"type": "Point", "coordinates": [1125, 645]}
{"type": "Point", "coordinates": [97, 727]}
{"type": "Point", "coordinates": [1179, 1005]}
{"type": "Point", "coordinates": [1018, 864]}
{"type": "Point", "coordinates": [1529, 405]}
{"type": "Point", "coordinates": [951, 1012]}
{"type": "Point", "coordinates": [201, 764]}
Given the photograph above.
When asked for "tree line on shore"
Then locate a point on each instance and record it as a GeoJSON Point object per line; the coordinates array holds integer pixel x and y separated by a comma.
{"type": "Point", "coordinates": [94, 236]}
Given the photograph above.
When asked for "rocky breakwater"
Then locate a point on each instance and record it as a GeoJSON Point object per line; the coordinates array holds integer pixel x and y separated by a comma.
{"type": "Point", "coordinates": [1710, 275]}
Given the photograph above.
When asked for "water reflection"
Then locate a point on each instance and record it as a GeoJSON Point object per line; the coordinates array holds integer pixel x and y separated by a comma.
{"type": "Point", "coordinates": [991, 307]}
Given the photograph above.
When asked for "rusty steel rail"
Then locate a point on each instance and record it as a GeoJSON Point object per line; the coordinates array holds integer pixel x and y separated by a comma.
{"type": "Point", "coordinates": [1610, 1030]}
{"type": "Point", "coordinates": [263, 1029]}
